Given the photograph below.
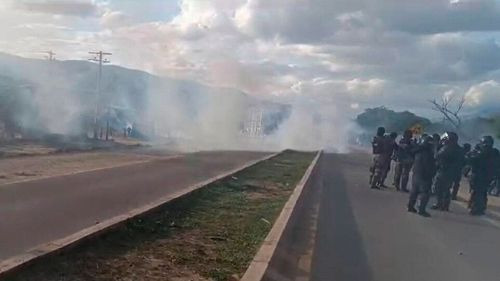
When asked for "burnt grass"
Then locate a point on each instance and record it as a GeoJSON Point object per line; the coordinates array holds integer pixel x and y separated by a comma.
{"type": "Point", "coordinates": [210, 234]}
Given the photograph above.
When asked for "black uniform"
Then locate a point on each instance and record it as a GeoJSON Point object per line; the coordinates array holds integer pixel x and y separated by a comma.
{"type": "Point", "coordinates": [455, 186]}
{"type": "Point", "coordinates": [423, 172]}
{"type": "Point", "coordinates": [436, 146]}
{"type": "Point", "coordinates": [484, 162]}
{"type": "Point", "coordinates": [404, 163]}
{"type": "Point", "coordinates": [449, 164]}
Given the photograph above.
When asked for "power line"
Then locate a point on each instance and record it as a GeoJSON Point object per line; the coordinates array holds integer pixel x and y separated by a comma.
{"type": "Point", "coordinates": [99, 57]}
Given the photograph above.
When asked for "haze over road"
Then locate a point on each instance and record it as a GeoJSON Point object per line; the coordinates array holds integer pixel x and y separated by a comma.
{"type": "Point", "coordinates": [365, 235]}
{"type": "Point", "coordinates": [37, 212]}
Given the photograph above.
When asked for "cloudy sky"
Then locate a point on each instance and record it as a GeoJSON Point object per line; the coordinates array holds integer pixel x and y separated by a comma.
{"type": "Point", "coordinates": [353, 53]}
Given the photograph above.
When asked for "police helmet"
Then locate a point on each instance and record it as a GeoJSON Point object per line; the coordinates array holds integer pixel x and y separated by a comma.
{"type": "Point", "coordinates": [380, 131]}
{"type": "Point", "coordinates": [453, 137]}
{"type": "Point", "coordinates": [487, 141]}
{"type": "Point", "coordinates": [449, 137]}
{"type": "Point", "coordinates": [467, 147]}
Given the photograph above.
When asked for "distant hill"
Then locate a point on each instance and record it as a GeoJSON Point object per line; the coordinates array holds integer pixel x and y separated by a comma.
{"type": "Point", "coordinates": [372, 118]}
{"type": "Point", "coordinates": [472, 128]}
{"type": "Point", "coordinates": [60, 97]}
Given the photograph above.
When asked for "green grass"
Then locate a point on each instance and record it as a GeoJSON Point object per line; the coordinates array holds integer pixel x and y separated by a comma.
{"type": "Point", "coordinates": [211, 234]}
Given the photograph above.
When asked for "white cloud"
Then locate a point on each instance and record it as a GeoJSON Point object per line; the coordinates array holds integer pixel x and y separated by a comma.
{"type": "Point", "coordinates": [486, 93]}
{"type": "Point", "coordinates": [114, 19]}
{"type": "Point", "coordinates": [371, 86]}
{"type": "Point", "coordinates": [394, 53]}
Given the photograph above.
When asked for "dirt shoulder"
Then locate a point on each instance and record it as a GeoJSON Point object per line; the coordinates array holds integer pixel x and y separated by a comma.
{"type": "Point", "coordinates": [34, 167]}
{"type": "Point", "coordinates": [211, 234]}
{"type": "Point", "coordinates": [55, 144]}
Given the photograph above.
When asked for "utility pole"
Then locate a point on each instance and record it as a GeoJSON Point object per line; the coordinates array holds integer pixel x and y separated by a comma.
{"type": "Point", "coordinates": [99, 57]}
{"type": "Point", "coordinates": [51, 56]}
{"type": "Point", "coordinates": [254, 123]}
{"type": "Point", "coordinates": [257, 116]}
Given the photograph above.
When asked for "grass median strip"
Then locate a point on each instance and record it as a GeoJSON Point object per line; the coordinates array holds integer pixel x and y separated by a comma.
{"type": "Point", "coordinates": [211, 234]}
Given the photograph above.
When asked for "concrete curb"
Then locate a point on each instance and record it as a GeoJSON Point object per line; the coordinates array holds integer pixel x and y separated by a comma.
{"type": "Point", "coordinates": [260, 263]}
{"type": "Point", "coordinates": [14, 264]}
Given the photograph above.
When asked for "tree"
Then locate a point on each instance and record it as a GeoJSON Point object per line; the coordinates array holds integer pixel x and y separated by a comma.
{"type": "Point", "coordinates": [450, 109]}
{"type": "Point", "coordinates": [371, 118]}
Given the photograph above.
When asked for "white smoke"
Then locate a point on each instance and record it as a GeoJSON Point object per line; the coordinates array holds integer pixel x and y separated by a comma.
{"type": "Point", "coordinates": [314, 126]}
{"type": "Point", "coordinates": [58, 110]}
{"type": "Point", "coordinates": [47, 99]}
{"type": "Point", "coordinates": [212, 121]}
{"type": "Point", "coordinates": [217, 120]}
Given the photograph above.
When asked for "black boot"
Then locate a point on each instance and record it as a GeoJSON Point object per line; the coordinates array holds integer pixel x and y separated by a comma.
{"type": "Point", "coordinates": [412, 209]}
{"type": "Point", "coordinates": [475, 213]}
{"type": "Point", "coordinates": [445, 207]}
{"type": "Point", "coordinates": [424, 214]}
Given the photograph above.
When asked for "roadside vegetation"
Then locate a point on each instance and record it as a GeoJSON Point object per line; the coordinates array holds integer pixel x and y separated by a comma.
{"type": "Point", "coordinates": [211, 234]}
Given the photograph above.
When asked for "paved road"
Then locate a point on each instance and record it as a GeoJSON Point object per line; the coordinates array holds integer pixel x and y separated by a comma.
{"type": "Point", "coordinates": [36, 212]}
{"type": "Point", "coordinates": [365, 235]}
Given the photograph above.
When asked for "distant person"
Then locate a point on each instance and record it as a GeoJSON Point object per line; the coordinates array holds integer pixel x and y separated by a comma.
{"type": "Point", "coordinates": [423, 173]}
{"type": "Point", "coordinates": [448, 161]}
{"type": "Point", "coordinates": [390, 147]}
{"type": "Point", "coordinates": [485, 164]}
{"type": "Point", "coordinates": [379, 155]}
{"type": "Point", "coordinates": [404, 161]}
{"type": "Point", "coordinates": [458, 176]}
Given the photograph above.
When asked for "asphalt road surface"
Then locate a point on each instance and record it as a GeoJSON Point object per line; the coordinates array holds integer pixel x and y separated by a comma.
{"type": "Point", "coordinates": [37, 212]}
{"type": "Point", "coordinates": [365, 235]}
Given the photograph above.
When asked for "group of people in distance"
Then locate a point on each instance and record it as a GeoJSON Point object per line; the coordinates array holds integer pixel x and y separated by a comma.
{"type": "Point", "coordinates": [437, 164]}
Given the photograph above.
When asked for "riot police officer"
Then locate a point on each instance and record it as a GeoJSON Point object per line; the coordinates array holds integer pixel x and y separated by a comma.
{"type": "Point", "coordinates": [485, 164]}
{"type": "Point", "coordinates": [390, 148]}
{"type": "Point", "coordinates": [436, 145]}
{"type": "Point", "coordinates": [459, 173]}
{"type": "Point", "coordinates": [378, 165]}
{"type": "Point", "coordinates": [423, 173]}
{"type": "Point", "coordinates": [404, 161]}
{"type": "Point", "coordinates": [448, 163]}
